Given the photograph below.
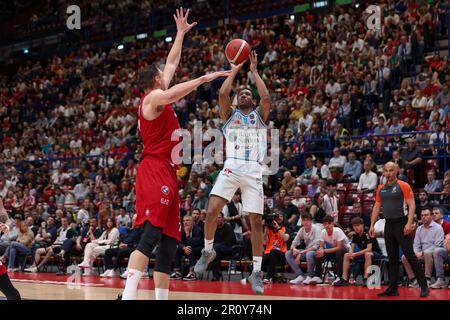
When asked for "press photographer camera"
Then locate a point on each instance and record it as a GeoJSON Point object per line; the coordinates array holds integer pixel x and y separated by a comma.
{"type": "Point", "coordinates": [269, 219]}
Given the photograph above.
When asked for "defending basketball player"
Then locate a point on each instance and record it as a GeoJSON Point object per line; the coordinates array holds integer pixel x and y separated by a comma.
{"type": "Point", "coordinates": [157, 195]}
{"type": "Point", "coordinates": [244, 130]}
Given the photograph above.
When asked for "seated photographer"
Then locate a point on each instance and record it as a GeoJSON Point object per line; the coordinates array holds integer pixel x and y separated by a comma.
{"type": "Point", "coordinates": [75, 247]}
{"type": "Point", "coordinates": [64, 233]}
{"type": "Point", "coordinates": [309, 237]}
{"type": "Point", "coordinates": [97, 247]}
{"type": "Point", "coordinates": [276, 239]}
{"type": "Point", "coordinates": [333, 245]}
{"type": "Point", "coordinates": [191, 246]}
{"type": "Point", "coordinates": [127, 244]}
{"type": "Point", "coordinates": [368, 250]}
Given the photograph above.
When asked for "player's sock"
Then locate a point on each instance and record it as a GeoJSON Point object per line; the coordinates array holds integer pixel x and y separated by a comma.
{"type": "Point", "coordinates": [257, 261]}
{"type": "Point", "coordinates": [130, 292]}
{"type": "Point", "coordinates": [209, 244]}
{"type": "Point", "coordinates": [161, 294]}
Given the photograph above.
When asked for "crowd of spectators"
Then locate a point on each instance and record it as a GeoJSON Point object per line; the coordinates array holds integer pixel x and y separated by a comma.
{"type": "Point", "coordinates": [70, 142]}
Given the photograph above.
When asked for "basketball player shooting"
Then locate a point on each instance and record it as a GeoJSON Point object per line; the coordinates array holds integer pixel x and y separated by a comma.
{"type": "Point", "coordinates": [245, 150]}
{"type": "Point", "coordinates": [157, 195]}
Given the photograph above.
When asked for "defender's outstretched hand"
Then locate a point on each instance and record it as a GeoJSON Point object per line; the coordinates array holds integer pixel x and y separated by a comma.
{"type": "Point", "coordinates": [181, 18]}
{"type": "Point", "coordinates": [212, 76]}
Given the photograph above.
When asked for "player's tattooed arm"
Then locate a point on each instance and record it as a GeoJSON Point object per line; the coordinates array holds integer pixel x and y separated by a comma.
{"type": "Point", "coordinates": [264, 105]}
{"type": "Point", "coordinates": [225, 109]}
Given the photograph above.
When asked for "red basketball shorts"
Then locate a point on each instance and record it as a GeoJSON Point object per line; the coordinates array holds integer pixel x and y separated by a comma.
{"type": "Point", "coordinates": [157, 197]}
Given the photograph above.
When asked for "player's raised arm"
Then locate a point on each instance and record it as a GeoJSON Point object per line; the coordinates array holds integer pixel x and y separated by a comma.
{"type": "Point", "coordinates": [161, 97]}
{"type": "Point", "coordinates": [264, 105]}
{"type": "Point", "coordinates": [224, 93]}
{"type": "Point", "coordinates": [173, 59]}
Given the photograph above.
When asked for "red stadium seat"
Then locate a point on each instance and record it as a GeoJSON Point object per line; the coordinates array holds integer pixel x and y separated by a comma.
{"type": "Point", "coordinates": [431, 164]}
{"type": "Point", "coordinates": [368, 197]}
{"type": "Point", "coordinates": [337, 176]}
{"type": "Point", "coordinates": [353, 197]}
{"type": "Point", "coordinates": [352, 186]}
{"type": "Point", "coordinates": [341, 197]}
{"type": "Point", "coordinates": [342, 187]}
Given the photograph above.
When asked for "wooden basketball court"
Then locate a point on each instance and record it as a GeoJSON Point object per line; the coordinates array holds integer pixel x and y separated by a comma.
{"type": "Point", "coordinates": [47, 286]}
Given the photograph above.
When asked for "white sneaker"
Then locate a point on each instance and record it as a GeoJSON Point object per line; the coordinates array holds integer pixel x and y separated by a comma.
{"type": "Point", "coordinates": [84, 265]}
{"type": "Point", "coordinates": [315, 280]}
{"type": "Point", "coordinates": [414, 284]}
{"type": "Point", "coordinates": [124, 275]}
{"type": "Point", "coordinates": [113, 274]}
{"type": "Point", "coordinates": [106, 273]}
{"type": "Point", "coordinates": [439, 284]}
{"type": "Point", "coordinates": [298, 280]}
{"type": "Point", "coordinates": [31, 269]}
{"type": "Point", "coordinates": [307, 280]}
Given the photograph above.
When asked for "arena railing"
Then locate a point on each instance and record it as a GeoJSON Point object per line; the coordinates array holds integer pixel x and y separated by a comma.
{"type": "Point", "coordinates": [440, 144]}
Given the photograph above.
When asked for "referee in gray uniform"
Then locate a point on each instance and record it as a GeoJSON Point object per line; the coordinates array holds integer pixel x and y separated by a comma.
{"type": "Point", "coordinates": [393, 198]}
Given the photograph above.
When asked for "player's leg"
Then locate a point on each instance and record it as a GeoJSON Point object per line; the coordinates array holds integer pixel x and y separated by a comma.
{"type": "Point", "coordinates": [253, 202]}
{"type": "Point", "coordinates": [8, 289]}
{"type": "Point", "coordinates": [215, 205]}
{"type": "Point", "coordinates": [139, 259]}
{"type": "Point", "coordinates": [161, 275]}
{"type": "Point", "coordinates": [223, 190]}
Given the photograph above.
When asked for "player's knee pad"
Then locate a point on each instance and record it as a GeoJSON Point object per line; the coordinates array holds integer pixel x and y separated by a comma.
{"type": "Point", "coordinates": [149, 239]}
{"type": "Point", "coordinates": [165, 255]}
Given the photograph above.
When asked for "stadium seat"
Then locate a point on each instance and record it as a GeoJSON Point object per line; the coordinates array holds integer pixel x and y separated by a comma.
{"type": "Point", "coordinates": [368, 197]}
{"type": "Point", "coordinates": [352, 198]}
{"type": "Point", "coordinates": [341, 187]}
{"type": "Point", "coordinates": [353, 186]}
{"type": "Point", "coordinates": [431, 164]}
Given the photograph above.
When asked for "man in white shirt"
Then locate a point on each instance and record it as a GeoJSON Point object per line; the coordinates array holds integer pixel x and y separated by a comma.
{"type": "Point", "coordinates": [81, 190]}
{"type": "Point", "coordinates": [331, 201]}
{"type": "Point", "coordinates": [338, 160]}
{"type": "Point", "coordinates": [334, 244]}
{"type": "Point", "coordinates": [309, 235]}
{"type": "Point", "coordinates": [298, 199]}
{"type": "Point", "coordinates": [322, 169]}
{"type": "Point", "coordinates": [301, 41]}
{"type": "Point", "coordinates": [368, 180]}
{"type": "Point", "coordinates": [83, 214]}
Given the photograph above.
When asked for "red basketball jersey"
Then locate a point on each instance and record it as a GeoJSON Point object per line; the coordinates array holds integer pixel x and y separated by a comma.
{"type": "Point", "coordinates": [158, 135]}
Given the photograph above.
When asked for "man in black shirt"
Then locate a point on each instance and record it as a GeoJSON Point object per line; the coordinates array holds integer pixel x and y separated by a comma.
{"type": "Point", "coordinates": [290, 211]}
{"type": "Point", "coordinates": [358, 213]}
{"type": "Point", "coordinates": [191, 246]}
{"type": "Point", "coordinates": [368, 250]}
{"type": "Point", "coordinates": [224, 239]}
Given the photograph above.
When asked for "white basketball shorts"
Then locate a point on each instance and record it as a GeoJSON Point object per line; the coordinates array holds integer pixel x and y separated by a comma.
{"type": "Point", "coordinates": [251, 185]}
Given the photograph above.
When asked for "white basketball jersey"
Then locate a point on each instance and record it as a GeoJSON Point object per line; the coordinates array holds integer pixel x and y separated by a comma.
{"type": "Point", "coordinates": [246, 141]}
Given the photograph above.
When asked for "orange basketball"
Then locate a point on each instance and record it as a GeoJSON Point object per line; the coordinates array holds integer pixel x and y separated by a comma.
{"type": "Point", "coordinates": [237, 51]}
